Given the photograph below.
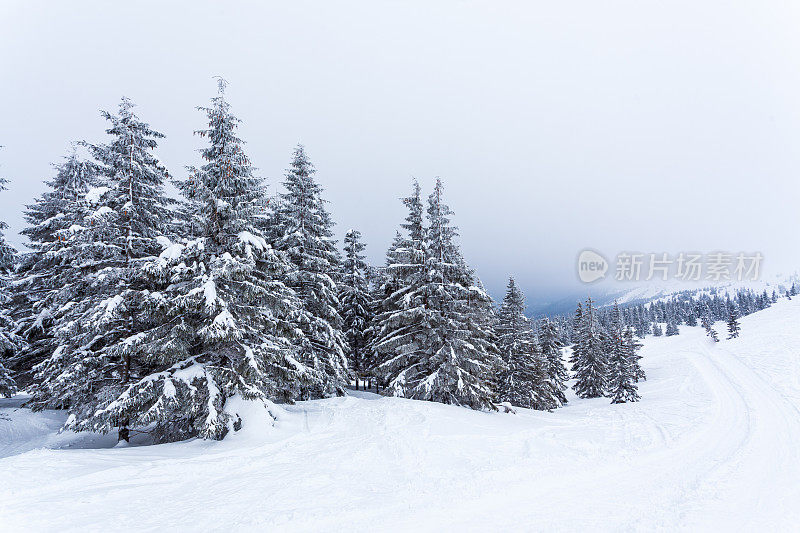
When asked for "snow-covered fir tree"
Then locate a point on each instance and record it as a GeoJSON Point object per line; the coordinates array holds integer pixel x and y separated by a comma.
{"type": "Point", "coordinates": [524, 380]}
{"type": "Point", "coordinates": [622, 361]}
{"type": "Point", "coordinates": [671, 328]}
{"type": "Point", "coordinates": [733, 322]}
{"type": "Point", "coordinates": [399, 328]}
{"type": "Point", "coordinates": [551, 350]}
{"type": "Point", "coordinates": [51, 267]}
{"type": "Point", "coordinates": [355, 302]}
{"type": "Point", "coordinates": [707, 325]}
{"type": "Point", "coordinates": [590, 364]}
{"type": "Point", "coordinates": [434, 335]}
{"type": "Point", "coordinates": [303, 229]}
{"type": "Point", "coordinates": [129, 211]}
{"type": "Point", "coordinates": [633, 345]}
{"type": "Point", "coordinates": [222, 323]}
{"type": "Point", "coordinates": [10, 342]}
{"type": "Point", "coordinates": [657, 332]}
{"type": "Point", "coordinates": [576, 327]}
{"type": "Point", "coordinates": [691, 317]}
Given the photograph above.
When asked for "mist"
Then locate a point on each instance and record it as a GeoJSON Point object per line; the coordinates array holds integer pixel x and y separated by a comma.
{"type": "Point", "coordinates": [658, 127]}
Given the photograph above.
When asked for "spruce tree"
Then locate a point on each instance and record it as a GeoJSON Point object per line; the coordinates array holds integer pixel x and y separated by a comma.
{"type": "Point", "coordinates": [733, 322]}
{"type": "Point", "coordinates": [671, 329]}
{"type": "Point", "coordinates": [524, 381]}
{"type": "Point", "coordinates": [590, 366]}
{"type": "Point", "coordinates": [129, 212]}
{"type": "Point", "coordinates": [643, 326]}
{"type": "Point", "coordinates": [433, 336]}
{"type": "Point", "coordinates": [399, 332]}
{"type": "Point", "coordinates": [691, 318]}
{"type": "Point", "coordinates": [49, 270]}
{"type": "Point", "coordinates": [707, 323]}
{"type": "Point", "coordinates": [551, 347]}
{"type": "Point", "coordinates": [463, 354]}
{"type": "Point", "coordinates": [222, 323]}
{"type": "Point", "coordinates": [355, 303]}
{"type": "Point", "coordinates": [624, 366]}
{"type": "Point", "coordinates": [577, 325]}
{"type": "Point", "coordinates": [10, 342]}
{"type": "Point", "coordinates": [303, 229]}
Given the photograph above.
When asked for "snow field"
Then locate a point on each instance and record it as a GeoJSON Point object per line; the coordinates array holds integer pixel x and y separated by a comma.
{"type": "Point", "coordinates": [713, 445]}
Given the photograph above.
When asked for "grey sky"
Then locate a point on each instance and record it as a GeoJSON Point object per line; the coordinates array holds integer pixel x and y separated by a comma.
{"type": "Point", "coordinates": [652, 126]}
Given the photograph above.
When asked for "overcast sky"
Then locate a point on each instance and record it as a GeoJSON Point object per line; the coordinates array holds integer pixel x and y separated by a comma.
{"type": "Point", "coordinates": [556, 126]}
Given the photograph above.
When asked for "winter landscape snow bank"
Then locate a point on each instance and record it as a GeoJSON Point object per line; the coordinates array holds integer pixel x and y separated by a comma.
{"type": "Point", "coordinates": [713, 445]}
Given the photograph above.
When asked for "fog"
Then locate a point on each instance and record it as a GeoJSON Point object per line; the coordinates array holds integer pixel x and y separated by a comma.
{"type": "Point", "coordinates": [556, 126]}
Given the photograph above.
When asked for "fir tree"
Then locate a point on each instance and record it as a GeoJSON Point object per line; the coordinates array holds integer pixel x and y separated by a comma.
{"type": "Point", "coordinates": [45, 272]}
{"type": "Point", "coordinates": [643, 326]}
{"type": "Point", "coordinates": [551, 350]}
{"type": "Point", "coordinates": [399, 332]}
{"type": "Point", "coordinates": [222, 323]}
{"type": "Point", "coordinates": [355, 302]}
{"type": "Point", "coordinates": [590, 362]}
{"type": "Point", "coordinates": [303, 229]}
{"type": "Point", "coordinates": [434, 336]}
{"type": "Point", "coordinates": [733, 322]}
{"type": "Point", "coordinates": [657, 329]}
{"type": "Point", "coordinates": [524, 381]}
{"type": "Point", "coordinates": [624, 367]}
{"type": "Point", "coordinates": [707, 323]}
{"type": "Point", "coordinates": [671, 328]}
{"type": "Point", "coordinates": [577, 325]}
{"type": "Point", "coordinates": [691, 318]}
{"type": "Point", "coordinates": [10, 343]}
{"type": "Point", "coordinates": [92, 363]}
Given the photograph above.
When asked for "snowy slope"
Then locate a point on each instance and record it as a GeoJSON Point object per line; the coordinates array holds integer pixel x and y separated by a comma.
{"type": "Point", "coordinates": [625, 293]}
{"type": "Point", "coordinates": [647, 292]}
{"type": "Point", "coordinates": [714, 445]}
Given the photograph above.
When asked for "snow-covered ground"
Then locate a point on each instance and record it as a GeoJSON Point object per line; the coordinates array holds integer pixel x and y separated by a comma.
{"type": "Point", "coordinates": [714, 445]}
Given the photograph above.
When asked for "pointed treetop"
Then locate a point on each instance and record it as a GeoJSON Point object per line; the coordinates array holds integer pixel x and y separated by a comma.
{"type": "Point", "coordinates": [222, 83]}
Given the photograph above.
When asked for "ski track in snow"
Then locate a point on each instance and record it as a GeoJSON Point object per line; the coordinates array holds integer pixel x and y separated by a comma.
{"type": "Point", "coordinates": [714, 445]}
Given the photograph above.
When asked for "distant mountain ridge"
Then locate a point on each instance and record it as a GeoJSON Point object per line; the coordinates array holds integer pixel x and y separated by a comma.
{"type": "Point", "coordinates": [631, 294]}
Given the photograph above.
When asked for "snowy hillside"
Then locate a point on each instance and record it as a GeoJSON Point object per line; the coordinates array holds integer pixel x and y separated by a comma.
{"type": "Point", "coordinates": [712, 446]}
{"type": "Point", "coordinates": [655, 291]}
{"type": "Point", "coordinates": [605, 294]}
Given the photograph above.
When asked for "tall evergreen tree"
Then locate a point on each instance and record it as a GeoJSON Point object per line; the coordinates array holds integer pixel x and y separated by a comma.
{"type": "Point", "coordinates": [622, 384]}
{"type": "Point", "coordinates": [434, 336]}
{"type": "Point", "coordinates": [129, 212]}
{"type": "Point", "coordinates": [10, 343]}
{"type": "Point", "coordinates": [577, 325]}
{"type": "Point", "coordinates": [355, 302]}
{"type": "Point", "coordinates": [657, 329]}
{"type": "Point", "coordinates": [303, 229]}
{"type": "Point", "coordinates": [632, 345]}
{"type": "Point", "coordinates": [671, 328]}
{"type": "Point", "coordinates": [50, 266]}
{"type": "Point", "coordinates": [733, 322]}
{"type": "Point", "coordinates": [524, 381]}
{"type": "Point", "coordinates": [551, 350]}
{"type": "Point", "coordinates": [590, 362]}
{"type": "Point", "coordinates": [707, 323]}
{"type": "Point", "coordinates": [222, 323]}
{"type": "Point", "coordinates": [399, 332]}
